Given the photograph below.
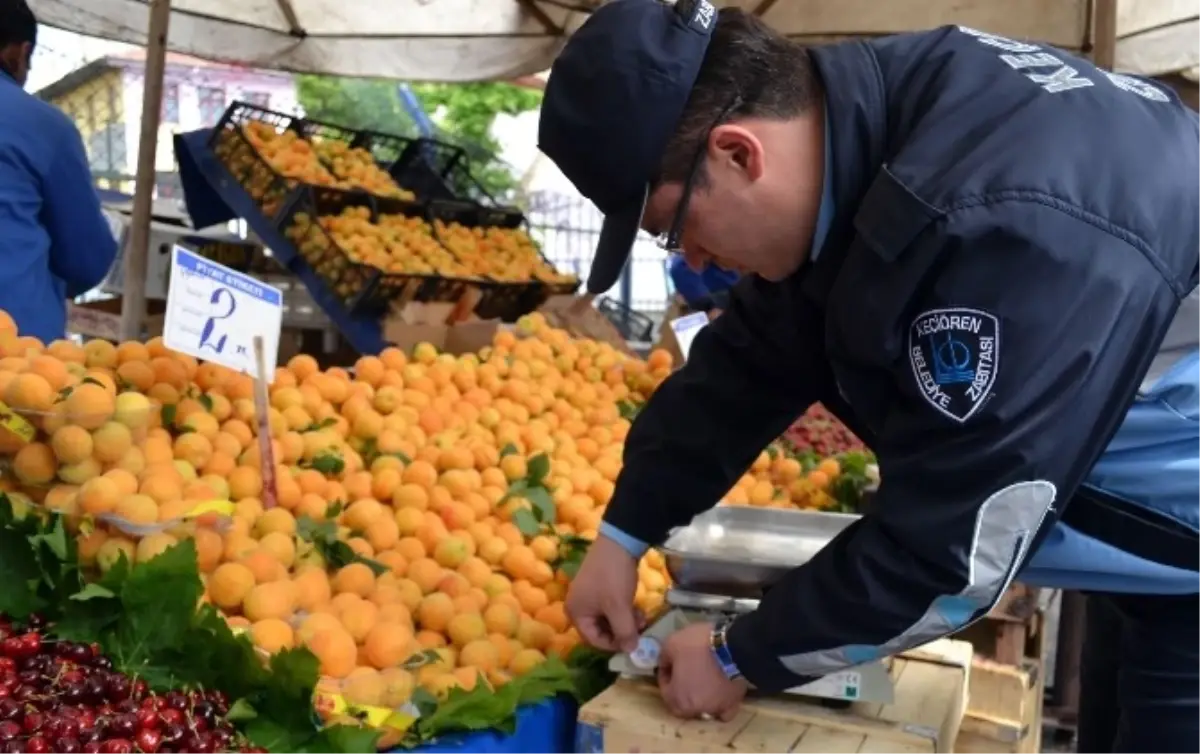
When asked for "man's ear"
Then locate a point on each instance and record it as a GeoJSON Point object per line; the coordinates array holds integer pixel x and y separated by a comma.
{"type": "Point", "coordinates": [739, 147]}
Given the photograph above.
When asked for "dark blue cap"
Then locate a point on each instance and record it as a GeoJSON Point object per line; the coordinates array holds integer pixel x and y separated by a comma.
{"type": "Point", "coordinates": [613, 100]}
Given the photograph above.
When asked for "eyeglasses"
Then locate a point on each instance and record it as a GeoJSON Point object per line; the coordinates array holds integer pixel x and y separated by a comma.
{"type": "Point", "coordinates": [670, 241]}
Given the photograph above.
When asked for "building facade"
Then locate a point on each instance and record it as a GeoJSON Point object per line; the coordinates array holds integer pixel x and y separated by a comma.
{"type": "Point", "coordinates": [104, 99]}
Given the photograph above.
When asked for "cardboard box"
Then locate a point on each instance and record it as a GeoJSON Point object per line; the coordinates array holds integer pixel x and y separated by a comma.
{"type": "Point", "coordinates": [436, 324]}
{"type": "Point", "coordinates": [102, 319]}
{"type": "Point", "coordinates": [578, 316]}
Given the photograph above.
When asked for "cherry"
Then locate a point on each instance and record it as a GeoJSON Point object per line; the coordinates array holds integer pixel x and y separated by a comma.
{"type": "Point", "coordinates": [12, 647]}
{"type": "Point", "coordinates": [31, 643]}
{"type": "Point", "coordinates": [14, 746]}
{"type": "Point", "coordinates": [33, 721]}
{"type": "Point", "coordinates": [9, 729]}
{"type": "Point", "coordinates": [117, 746]}
{"type": "Point", "coordinates": [148, 740]}
{"type": "Point", "coordinates": [124, 725]}
{"type": "Point", "coordinates": [139, 688]}
{"type": "Point", "coordinates": [93, 747]}
{"type": "Point", "coordinates": [8, 666]}
{"type": "Point", "coordinates": [171, 716]}
{"type": "Point", "coordinates": [37, 745]}
{"type": "Point", "coordinates": [147, 719]}
{"type": "Point", "coordinates": [9, 709]}
{"type": "Point", "coordinates": [118, 688]}
{"type": "Point", "coordinates": [173, 734]}
{"type": "Point", "coordinates": [67, 744]}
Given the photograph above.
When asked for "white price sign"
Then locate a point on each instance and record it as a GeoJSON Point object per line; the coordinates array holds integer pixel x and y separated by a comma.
{"type": "Point", "coordinates": [214, 313]}
{"type": "Point", "coordinates": [686, 328]}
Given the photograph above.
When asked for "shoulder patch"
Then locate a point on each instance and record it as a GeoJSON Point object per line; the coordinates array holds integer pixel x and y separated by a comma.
{"type": "Point", "coordinates": [954, 355]}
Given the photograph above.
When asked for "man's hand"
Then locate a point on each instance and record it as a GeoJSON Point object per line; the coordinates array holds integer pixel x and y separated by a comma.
{"type": "Point", "coordinates": [691, 681]}
{"type": "Point", "coordinates": [600, 601]}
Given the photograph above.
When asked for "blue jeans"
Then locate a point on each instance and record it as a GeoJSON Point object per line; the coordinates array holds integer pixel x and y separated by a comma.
{"type": "Point", "coordinates": [1140, 674]}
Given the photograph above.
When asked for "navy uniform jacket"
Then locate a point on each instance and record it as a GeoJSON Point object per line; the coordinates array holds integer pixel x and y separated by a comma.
{"type": "Point", "coordinates": [1014, 232]}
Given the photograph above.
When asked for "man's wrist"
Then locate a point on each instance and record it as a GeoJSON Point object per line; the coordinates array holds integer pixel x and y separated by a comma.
{"type": "Point", "coordinates": [719, 644]}
{"type": "Point", "coordinates": [752, 643]}
{"type": "Point", "coordinates": [629, 543]}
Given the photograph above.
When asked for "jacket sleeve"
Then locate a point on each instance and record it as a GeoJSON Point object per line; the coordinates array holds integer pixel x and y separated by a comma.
{"type": "Point", "coordinates": [688, 283]}
{"type": "Point", "coordinates": [82, 247]}
{"type": "Point", "coordinates": [979, 437]}
{"type": "Point", "coordinates": [750, 373]}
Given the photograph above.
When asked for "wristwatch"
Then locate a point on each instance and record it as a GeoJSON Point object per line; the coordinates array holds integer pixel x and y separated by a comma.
{"type": "Point", "coordinates": [720, 649]}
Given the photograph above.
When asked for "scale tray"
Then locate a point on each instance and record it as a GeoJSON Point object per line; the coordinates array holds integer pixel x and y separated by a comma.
{"type": "Point", "coordinates": [740, 551]}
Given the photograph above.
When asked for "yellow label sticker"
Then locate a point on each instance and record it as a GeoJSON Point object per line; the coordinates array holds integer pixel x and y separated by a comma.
{"type": "Point", "coordinates": [375, 717]}
{"type": "Point", "coordinates": [16, 423]}
{"type": "Point", "coordinates": [220, 507]}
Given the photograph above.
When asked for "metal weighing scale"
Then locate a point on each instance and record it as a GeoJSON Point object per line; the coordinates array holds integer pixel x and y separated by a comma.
{"type": "Point", "coordinates": [722, 562]}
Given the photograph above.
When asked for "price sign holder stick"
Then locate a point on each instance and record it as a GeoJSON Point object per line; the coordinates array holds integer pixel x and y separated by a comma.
{"type": "Point", "coordinates": [262, 409]}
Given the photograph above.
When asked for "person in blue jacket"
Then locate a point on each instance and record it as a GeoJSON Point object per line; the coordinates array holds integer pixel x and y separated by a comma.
{"type": "Point", "coordinates": [702, 290]}
{"type": "Point", "coordinates": [982, 255]}
{"type": "Point", "coordinates": [54, 241]}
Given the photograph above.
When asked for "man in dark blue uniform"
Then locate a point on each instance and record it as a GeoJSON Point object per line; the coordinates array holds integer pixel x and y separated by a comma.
{"type": "Point", "coordinates": [981, 254]}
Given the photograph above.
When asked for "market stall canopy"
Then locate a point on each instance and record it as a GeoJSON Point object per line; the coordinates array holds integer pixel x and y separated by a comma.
{"type": "Point", "coordinates": [471, 40]}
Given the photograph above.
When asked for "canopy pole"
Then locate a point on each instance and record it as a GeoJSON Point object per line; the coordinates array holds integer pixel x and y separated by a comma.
{"type": "Point", "coordinates": [133, 307]}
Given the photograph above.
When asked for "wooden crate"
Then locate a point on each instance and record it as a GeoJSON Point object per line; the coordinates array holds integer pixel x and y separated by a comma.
{"type": "Point", "coordinates": [1012, 630]}
{"type": "Point", "coordinates": [1005, 700]}
{"type": "Point", "coordinates": [930, 699]}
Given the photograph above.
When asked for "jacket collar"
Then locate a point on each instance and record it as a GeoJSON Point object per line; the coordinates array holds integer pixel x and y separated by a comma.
{"type": "Point", "coordinates": [856, 116]}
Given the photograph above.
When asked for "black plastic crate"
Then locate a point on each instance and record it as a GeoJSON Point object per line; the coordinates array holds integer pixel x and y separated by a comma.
{"type": "Point", "coordinates": [232, 143]}
{"type": "Point", "coordinates": [425, 166]}
{"type": "Point", "coordinates": [249, 258]}
{"type": "Point", "coordinates": [502, 299]}
{"type": "Point", "coordinates": [633, 325]}
{"type": "Point", "coordinates": [362, 287]}
{"type": "Point", "coordinates": [377, 157]}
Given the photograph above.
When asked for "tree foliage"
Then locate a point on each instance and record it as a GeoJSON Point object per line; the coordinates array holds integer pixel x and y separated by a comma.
{"type": "Point", "coordinates": [464, 114]}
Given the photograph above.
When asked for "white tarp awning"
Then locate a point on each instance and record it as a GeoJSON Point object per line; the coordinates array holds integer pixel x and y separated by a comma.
{"type": "Point", "coordinates": [471, 40]}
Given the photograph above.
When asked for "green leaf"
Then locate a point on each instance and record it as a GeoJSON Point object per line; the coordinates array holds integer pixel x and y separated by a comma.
{"type": "Point", "coordinates": [206, 400]}
{"type": "Point", "coordinates": [538, 469]}
{"type": "Point", "coordinates": [508, 450]}
{"type": "Point", "coordinates": [590, 674]}
{"type": "Point", "coordinates": [18, 566]}
{"type": "Point", "coordinates": [333, 510]}
{"type": "Point", "coordinates": [853, 463]}
{"type": "Point", "coordinates": [91, 381]}
{"type": "Point", "coordinates": [424, 701]}
{"type": "Point", "coordinates": [628, 409]}
{"type": "Point", "coordinates": [572, 549]}
{"type": "Point", "coordinates": [402, 456]}
{"type": "Point", "coordinates": [542, 502]}
{"type": "Point", "coordinates": [526, 522]}
{"type": "Point", "coordinates": [376, 567]}
{"type": "Point", "coordinates": [159, 600]}
{"type": "Point", "coordinates": [311, 530]}
{"type": "Point", "coordinates": [328, 463]}
{"type": "Point", "coordinates": [240, 711]}
{"type": "Point", "coordinates": [168, 414]}
{"type": "Point", "coordinates": [346, 738]}
{"type": "Point", "coordinates": [91, 592]}
{"type": "Point", "coordinates": [481, 708]}
{"type": "Point", "coordinates": [55, 539]}
{"type": "Point", "coordinates": [420, 659]}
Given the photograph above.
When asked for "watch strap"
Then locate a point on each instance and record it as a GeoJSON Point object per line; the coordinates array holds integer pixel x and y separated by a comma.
{"type": "Point", "coordinates": [721, 651]}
